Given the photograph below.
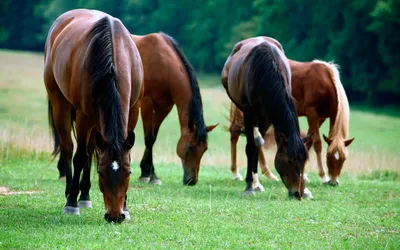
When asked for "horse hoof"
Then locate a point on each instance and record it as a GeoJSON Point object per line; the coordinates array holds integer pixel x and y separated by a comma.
{"type": "Point", "coordinates": [333, 183]}
{"type": "Point", "coordinates": [259, 189]}
{"type": "Point", "coordinates": [307, 194]}
{"type": "Point", "coordinates": [248, 193]}
{"type": "Point", "coordinates": [144, 179]}
{"type": "Point", "coordinates": [71, 210]}
{"type": "Point", "coordinates": [237, 177]}
{"type": "Point", "coordinates": [155, 181]}
{"type": "Point", "coordinates": [85, 204]}
{"type": "Point", "coordinates": [127, 215]}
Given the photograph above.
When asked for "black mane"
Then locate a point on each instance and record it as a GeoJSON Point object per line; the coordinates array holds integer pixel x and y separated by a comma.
{"type": "Point", "coordinates": [103, 82]}
{"type": "Point", "coordinates": [196, 119]}
{"type": "Point", "coordinates": [263, 71]}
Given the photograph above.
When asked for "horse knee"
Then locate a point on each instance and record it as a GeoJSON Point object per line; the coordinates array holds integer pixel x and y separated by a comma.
{"type": "Point", "coordinates": [318, 146]}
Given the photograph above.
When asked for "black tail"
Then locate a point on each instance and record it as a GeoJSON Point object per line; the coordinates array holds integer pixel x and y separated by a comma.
{"type": "Point", "coordinates": [196, 118]}
{"type": "Point", "coordinates": [103, 81]}
{"type": "Point", "coordinates": [264, 75]}
{"type": "Point", "coordinates": [53, 131]}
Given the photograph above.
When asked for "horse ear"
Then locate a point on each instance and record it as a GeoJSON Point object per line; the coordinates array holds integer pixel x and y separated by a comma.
{"type": "Point", "coordinates": [211, 127]}
{"type": "Point", "coordinates": [100, 143]}
{"type": "Point", "coordinates": [348, 142]}
{"type": "Point", "coordinates": [129, 141]}
{"type": "Point", "coordinates": [329, 141]}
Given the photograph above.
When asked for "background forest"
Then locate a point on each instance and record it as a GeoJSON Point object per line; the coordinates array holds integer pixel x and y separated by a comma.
{"type": "Point", "coordinates": [362, 36]}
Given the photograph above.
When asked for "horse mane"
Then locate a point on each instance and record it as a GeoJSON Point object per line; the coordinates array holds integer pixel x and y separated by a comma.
{"type": "Point", "coordinates": [196, 119]}
{"type": "Point", "coordinates": [104, 86]}
{"type": "Point", "coordinates": [263, 72]}
{"type": "Point", "coordinates": [340, 129]}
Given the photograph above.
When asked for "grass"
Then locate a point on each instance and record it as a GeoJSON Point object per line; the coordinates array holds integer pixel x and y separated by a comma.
{"type": "Point", "coordinates": [363, 212]}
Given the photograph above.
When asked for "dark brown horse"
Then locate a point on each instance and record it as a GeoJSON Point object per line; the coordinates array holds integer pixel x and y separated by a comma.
{"type": "Point", "coordinates": [319, 95]}
{"type": "Point", "coordinates": [93, 76]}
{"type": "Point", "coordinates": [170, 79]}
{"type": "Point", "coordinates": [257, 78]}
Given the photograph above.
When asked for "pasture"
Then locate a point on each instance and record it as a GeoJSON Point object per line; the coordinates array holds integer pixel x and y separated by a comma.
{"type": "Point", "coordinates": [363, 212]}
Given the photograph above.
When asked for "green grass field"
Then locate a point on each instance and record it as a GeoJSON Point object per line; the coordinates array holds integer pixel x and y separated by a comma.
{"type": "Point", "coordinates": [362, 213]}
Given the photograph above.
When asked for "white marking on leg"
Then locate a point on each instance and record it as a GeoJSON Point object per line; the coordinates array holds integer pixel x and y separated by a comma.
{"type": "Point", "coordinates": [115, 166]}
{"type": "Point", "coordinates": [337, 155]}
{"type": "Point", "coordinates": [325, 178]}
{"type": "Point", "coordinates": [256, 183]}
{"type": "Point", "coordinates": [259, 141]}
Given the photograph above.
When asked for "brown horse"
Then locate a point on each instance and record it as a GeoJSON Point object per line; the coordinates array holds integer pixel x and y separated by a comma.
{"type": "Point", "coordinates": [170, 79]}
{"type": "Point", "coordinates": [319, 94]}
{"type": "Point", "coordinates": [257, 79]}
{"type": "Point", "coordinates": [93, 75]}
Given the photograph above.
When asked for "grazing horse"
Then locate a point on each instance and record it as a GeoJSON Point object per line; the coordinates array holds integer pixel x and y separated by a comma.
{"type": "Point", "coordinates": [170, 79]}
{"type": "Point", "coordinates": [93, 74]}
{"type": "Point", "coordinates": [256, 77]}
{"type": "Point", "coordinates": [319, 94]}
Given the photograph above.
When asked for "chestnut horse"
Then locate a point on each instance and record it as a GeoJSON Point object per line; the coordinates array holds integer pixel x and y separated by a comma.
{"type": "Point", "coordinates": [93, 75]}
{"type": "Point", "coordinates": [170, 79]}
{"type": "Point", "coordinates": [256, 77]}
{"type": "Point", "coordinates": [319, 94]}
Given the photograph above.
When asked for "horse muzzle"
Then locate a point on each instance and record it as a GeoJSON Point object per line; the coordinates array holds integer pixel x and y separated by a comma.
{"type": "Point", "coordinates": [116, 219]}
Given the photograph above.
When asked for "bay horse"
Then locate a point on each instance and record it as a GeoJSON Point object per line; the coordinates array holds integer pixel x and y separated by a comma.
{"type": "Point", "coordinates": [257, 78]}
{"type": "Point", "coordinates": [319, 95]}
{"type": "Point", "coordinates": [170, 79]}
{"type": "Point", "coordinates": [93, 75]}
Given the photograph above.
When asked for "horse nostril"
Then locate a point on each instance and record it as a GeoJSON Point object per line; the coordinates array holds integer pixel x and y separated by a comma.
{"type": "Point", "coordinates": [295, 194]}
{"type": "Point", "coordinates": [107, 217]}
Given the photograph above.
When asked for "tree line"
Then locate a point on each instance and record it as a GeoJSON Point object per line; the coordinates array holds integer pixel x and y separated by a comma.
{"type": "Point", "coordinates": [362, 36]}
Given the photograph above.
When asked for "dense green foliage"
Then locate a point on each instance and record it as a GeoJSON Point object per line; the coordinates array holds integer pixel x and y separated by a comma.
{"type": "Point", "coordinates": [360, 35]}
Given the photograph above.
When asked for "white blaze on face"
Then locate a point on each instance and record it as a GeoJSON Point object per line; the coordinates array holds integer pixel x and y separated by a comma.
{"type": "Point", "coordinates": [336, 155]}
{"type": "Point", "coordinates": [115, 166]}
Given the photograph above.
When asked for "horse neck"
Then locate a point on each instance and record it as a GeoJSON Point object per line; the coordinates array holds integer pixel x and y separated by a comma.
{"type": "Point", "coordinates": [183, 115]}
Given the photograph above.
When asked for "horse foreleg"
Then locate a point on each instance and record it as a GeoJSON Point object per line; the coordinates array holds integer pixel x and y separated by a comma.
{"type": "Point", "coordinates": [152, 117]}
{"type": "Point", "coordinates": [84, 185]}
{"type": "Point", "coordinates": [81, 160]}
{"type": "Point", "coordinates": [264, 166]}
{"type": "Point", "coordinates": [313, 127]}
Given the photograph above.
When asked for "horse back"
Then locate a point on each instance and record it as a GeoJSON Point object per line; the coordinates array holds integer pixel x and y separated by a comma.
{"type": "Point", "coordinates": [312, 87]}
{"type": "Point", "coordinates": [66, 58]}
{"type": "Point", "coordinates": [166, 80]}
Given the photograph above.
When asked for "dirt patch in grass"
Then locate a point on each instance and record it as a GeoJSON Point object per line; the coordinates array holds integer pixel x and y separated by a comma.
{"type": "Point", "coordinates": [5, 191]}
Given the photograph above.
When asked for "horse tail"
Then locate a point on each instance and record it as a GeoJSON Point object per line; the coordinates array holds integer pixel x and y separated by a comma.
{"type": "Point", "coordinates": [342, 119]}
{"type": "Point", "coordinates": [196, 118]}
{"type": "Point", "coordinates": [53, 130]}
{"type": "Point", "coordinates": [263, 73]}
{"type": "Point", "coordinates": [103, 83]}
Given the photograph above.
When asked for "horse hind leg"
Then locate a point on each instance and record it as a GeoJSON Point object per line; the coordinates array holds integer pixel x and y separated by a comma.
{"type": "Point", "coordinates": [152, 117]}
{"type": "Point", "coordinates": [235, 131]}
